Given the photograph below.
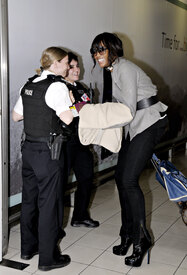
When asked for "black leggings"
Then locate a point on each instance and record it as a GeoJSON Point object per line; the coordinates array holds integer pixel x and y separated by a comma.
{"type": "Point", "coordinates": [132, 159]}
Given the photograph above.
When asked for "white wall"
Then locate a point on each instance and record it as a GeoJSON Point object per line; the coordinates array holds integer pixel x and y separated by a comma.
{"type": "Point", "coordinates": [37, 24]}
{"type": "Point", "coordinates": [142, 22]}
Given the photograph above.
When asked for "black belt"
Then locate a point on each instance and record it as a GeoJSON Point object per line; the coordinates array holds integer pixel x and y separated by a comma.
{"type": "Point", "coordinates": [146, 102]}
{"type": "Point", "coordinates": [43, 139]}
{"type": "Point", "coordinates": [37, 139]}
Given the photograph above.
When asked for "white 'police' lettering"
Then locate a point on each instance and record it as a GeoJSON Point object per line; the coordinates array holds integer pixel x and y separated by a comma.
{"type": "Point", "coordinates": [28, 92]}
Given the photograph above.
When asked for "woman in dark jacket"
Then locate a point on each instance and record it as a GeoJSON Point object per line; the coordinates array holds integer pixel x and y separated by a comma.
{"type": "Point", "coordinates": [79, 157]}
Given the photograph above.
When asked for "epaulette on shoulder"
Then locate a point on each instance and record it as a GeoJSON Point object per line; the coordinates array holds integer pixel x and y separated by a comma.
{"type": "Point", "coordinates": [30, 79]}
{"type": "Point", "coordinates": [56, 78]}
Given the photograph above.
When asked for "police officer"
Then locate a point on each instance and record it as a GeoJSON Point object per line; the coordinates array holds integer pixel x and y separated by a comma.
{"type": "Point", "coordinates": [79, 156]}
{"type": "Point", "coordinates": [44, 104]}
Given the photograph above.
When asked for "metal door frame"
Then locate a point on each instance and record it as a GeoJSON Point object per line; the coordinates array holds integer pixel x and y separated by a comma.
{"type": "Point", "coordinates": [4, 123]}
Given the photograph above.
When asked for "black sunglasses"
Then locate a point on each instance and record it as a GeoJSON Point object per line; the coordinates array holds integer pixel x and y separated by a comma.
{"type": "Point", "coordinates": [100, 49]}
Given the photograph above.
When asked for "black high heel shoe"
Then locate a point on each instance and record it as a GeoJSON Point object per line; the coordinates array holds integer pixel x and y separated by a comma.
{"type": "Point", "coordinates": [139, 251]}
{"type": "Point", "coordinates": [122, 249]}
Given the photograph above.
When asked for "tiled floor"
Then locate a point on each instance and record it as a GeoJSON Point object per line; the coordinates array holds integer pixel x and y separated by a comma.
{"type": "Point", "coordinates": [91, 249]}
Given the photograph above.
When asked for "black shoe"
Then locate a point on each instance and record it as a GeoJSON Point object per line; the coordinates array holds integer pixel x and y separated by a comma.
{"type": "Point", "coordinates": [139, 251]}
{"type": "Point", "coordinates": [184, 216]}
{"type": "Point", "coordinates": [122, 249]}
{"type": "Point", "coordinates": [29, 256]}
{"type": "Point", "coordinates": [183, 210]}
{"type": "Point", "coordinates": [61, 234]}
{"type": "Point", "coordinates": [62, 261]}
{"type": "Point", "coordinates": [86, 223]}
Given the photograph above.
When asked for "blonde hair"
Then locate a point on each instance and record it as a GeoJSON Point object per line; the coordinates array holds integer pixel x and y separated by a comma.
{"type": "Point", "coordinates": [49, 56]}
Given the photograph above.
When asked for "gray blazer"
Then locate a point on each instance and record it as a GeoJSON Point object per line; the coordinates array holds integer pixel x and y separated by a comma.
{"type": "Point", "coordinates": [129, 85]}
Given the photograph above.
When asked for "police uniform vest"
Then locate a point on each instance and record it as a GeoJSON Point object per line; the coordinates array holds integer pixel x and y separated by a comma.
{"type": "Point", "coordinates": [39, 119]}
{"type": "Point", "coordinates": [77, 90]}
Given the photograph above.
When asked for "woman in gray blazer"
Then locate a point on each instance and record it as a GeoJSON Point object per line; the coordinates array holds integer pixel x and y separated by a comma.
{"type": "Point", "coordinates": [132, 87]}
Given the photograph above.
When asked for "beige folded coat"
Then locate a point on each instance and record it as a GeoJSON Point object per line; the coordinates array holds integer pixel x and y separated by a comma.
{"type": "Point", "coordinates": [102, 124]}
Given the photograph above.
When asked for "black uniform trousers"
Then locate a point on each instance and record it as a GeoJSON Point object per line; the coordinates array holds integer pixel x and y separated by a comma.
{"type": "Point", "coordinates": [42, 202]}
{"type": "Point", "coordinates": [133, 157]}
{"type": "Point", "coordinates": [80, 159]}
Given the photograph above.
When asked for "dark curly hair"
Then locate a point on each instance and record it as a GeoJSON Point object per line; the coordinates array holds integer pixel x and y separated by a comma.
{"type": "Point", "coordinates": [112, 42]}
{"type": "Point", "coordinates": [72, 56]}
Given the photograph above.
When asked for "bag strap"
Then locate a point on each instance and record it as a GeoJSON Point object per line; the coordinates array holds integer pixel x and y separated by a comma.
{"type": "Point", "coordinates": [155, 158]}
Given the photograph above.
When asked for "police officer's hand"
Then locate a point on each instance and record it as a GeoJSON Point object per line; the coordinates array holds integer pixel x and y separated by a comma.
{"type": "Point", "coordinates": [66, 129]}
{"type": "Point", "coordinates": [71, 97]}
